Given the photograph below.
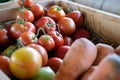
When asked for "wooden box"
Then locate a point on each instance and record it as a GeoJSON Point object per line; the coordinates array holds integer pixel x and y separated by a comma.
{"type": "Point", "coordinates": [106, 25]}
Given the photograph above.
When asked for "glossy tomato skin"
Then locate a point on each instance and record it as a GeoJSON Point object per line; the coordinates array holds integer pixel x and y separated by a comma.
{"type": "Point", "coordinates": [4, 38]}
{"type": "Point", "coordinates": [56, 12]}
{"type": "Point", "coordinates": [27, 38]}
{"type": "Point", "coordinates": [25, 62]}
{"type": "Point", "coordinates": [47, 23]}
{"type": "Point", "coordinates": [42, 51]}
{"type": "Point", "coordinates": [17, 29]}
{"type": "Point", "coordinates": [58, 38]}
{"type": "Point", "coordinates": [37, 10]}
{"type": "Point", "coordinates": [47, 42]}
{"type": "Point", "coordinates": [78, 18]}
{"type": "Point", "coordinates": [30, 27]}
{"type": "Point", "coordinates": [67, 40]}
{"type": "Point", "coordinates": [61, 51]}
{"type": "Point", "coordinates": [27, 15]}
{"type": "Point", "coordinates": [67, 26]}
{"type": "Point", "coordinates": [27, 3]}
{"type": "Point", "coordinates": [4, 66]}
{"type": "Point", "coordinates": [54, 63]}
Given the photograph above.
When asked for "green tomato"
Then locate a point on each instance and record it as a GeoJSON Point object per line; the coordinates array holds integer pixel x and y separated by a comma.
{"type": "Point", "coordinates": [8, 51]}
{"type": "Point", "coordinates": [44, 73]}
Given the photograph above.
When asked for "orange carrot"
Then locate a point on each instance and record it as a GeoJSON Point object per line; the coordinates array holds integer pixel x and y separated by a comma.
{"type": "Point", "coordinates": [77, 60]}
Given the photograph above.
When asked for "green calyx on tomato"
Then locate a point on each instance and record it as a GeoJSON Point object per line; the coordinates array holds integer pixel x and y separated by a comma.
{"type": "Point", "coordinates": [21, 21]}
{"type": "Point", "coordinates": [0, 26]}
{"type": "Point", "coordinates": [71, 10]}
{"type": "Point", "coordinates": [58, 8]}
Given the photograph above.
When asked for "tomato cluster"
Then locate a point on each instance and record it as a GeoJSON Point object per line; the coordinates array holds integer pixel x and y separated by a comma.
{"type": "Point", "coordinates": [50, 33]}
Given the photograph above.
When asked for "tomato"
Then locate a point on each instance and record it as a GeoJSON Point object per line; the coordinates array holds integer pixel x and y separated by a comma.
{"type": "Point", "coordinates": [37, 10]}
{"type": "Point", "coordinates": [30, 27]}
{"type": "Point", "coordinates": [78, 18]}
{"type": "Point", "coordinates": [7, 52]}
{"type": "Point", "coordinates": [80, 33]}
{"type": "Point", "coordinates": [55, 63]}
{"type": "Point", "coordinates": [47, 42]}
{"type": "Point", "coordinates": [27, 38]}
{"type": "Point", "coordinates": [67, 26]}
{"type": "Point", "coordinates": [44, 73]}
{"type": "Point", "coordinates": [17, 29]}
{"type": "Point", "coordinates": [42, 51]}
{"type": "Point", "coordinates": [4, 65]}
{"type": "Point", "coordinates": [27, 3]}
{"type": "Point", "coordinates": [56, 12]}
{"type": "Point", "coordinates": [4, 38]}
{"type": "Point", "coordinates": [25, 62]}
{"type": "Point", "coordinates": [58, 38]}
{"type": "Point", "coordinates": [67, 40]}
{"type": "Point", "coordinates": [47, 23]}
{"type": "Point", "coordinates": [61, 51]}
{"type": "Point", "coordinates": [26, 14]}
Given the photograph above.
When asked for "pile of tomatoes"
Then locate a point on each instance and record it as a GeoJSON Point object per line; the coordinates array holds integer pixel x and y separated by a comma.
{"type": "Point", "coordinates": [48, 31]}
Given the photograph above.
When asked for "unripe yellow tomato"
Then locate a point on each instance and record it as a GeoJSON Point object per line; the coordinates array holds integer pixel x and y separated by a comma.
{"type": "Point", "coordinates": [25, 62]}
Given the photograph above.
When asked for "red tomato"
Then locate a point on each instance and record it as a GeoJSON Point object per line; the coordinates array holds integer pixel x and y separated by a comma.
{"type": "Point", "coordinates": [78, 18]}
{"type": "Point", "coordinates": [27, 15]}
{"type": "Point", "coordinates": [47, 23]}
{"type": "Point", "coordinates": [80, 33]}
{"type": "Point", "coordinates": [67, 26]}
{"type": "Point", "coordinates": [56, 12]}
{"type": "Point", "coordinates": [54, 63]}
{"type": "Point", "coordinates": [47, 42]}
{"type": "Point", "coordinates": [27, 38]}
{"type": "Point", "coordinates": [4, 65]}
{"type": "Point", "coordinates": [25, 63]}
{"type": "Point", "coordinates": [61, 51]}
{"type": "Point", "coordinates": [17, 29]}
{"type": "Point", "coordinates": [37, 10]}
{"type": "Point", "coordinates": [4, 38]}
{"type": "Point", "coordinates": [67, 40]}
{"type": "Point", "coordinates": [58, 38]}
{"type": "Point", "coordinates": [42, 51]}
{"type": "Point", "coordinates": [27, 3]}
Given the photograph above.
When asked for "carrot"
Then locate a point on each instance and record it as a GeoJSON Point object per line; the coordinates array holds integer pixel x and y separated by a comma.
{"type": "Point", "coordinates": [77, 60]}
{"type": "Point", "coordinates": [88, 73]}
{"type": "Point", "coordinates": [117, 50]}
{"type": "Point", "coordinates": [103, 50]}
{"type": "Point", "coordinates": [108, 69]}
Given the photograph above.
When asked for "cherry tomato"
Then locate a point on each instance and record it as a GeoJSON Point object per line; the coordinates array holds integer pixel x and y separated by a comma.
{"type": "Point", "coordinates": [56, 12]}
{"type": "Point", "coordinates": [25, 62]}
{"type": "Point", "coordinates": [47, 23]}
{"type": "Point", "coordinates": [27, 38]}
{"type": "Point", "coordinates": [47, 42]}
{"type": "Point", "coordinates": [80, 33]}
{"type": "Point", "coordinates": [67, 40]}
{"type": "Point", "coordinates": [54, 63]}
{"type": "Point", "coordinates": [26, 14]}
{"type": "Point", "coordinates": [37, 10]}
{"type": "Point", "coordinates": [67, 26]}
{"type": "Point", "coordinates": [61, 51]}
{"type": "Point", "coordinates": [58, 38]}
{"type": "Point", "coordinates": [4, 38]}
{"type": "Point", "coordinates": [17, 29]}
{"type": "Point", "coordinates": [4, 66]}
{"type": "Point", "coordinates": [78, 18]}
{"type": "Point", "coordinates": [7, 52]}
{"type": "Point", "coordinates": [42, 51]}
{"type": "Point", "coordinates": [27, 3]}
